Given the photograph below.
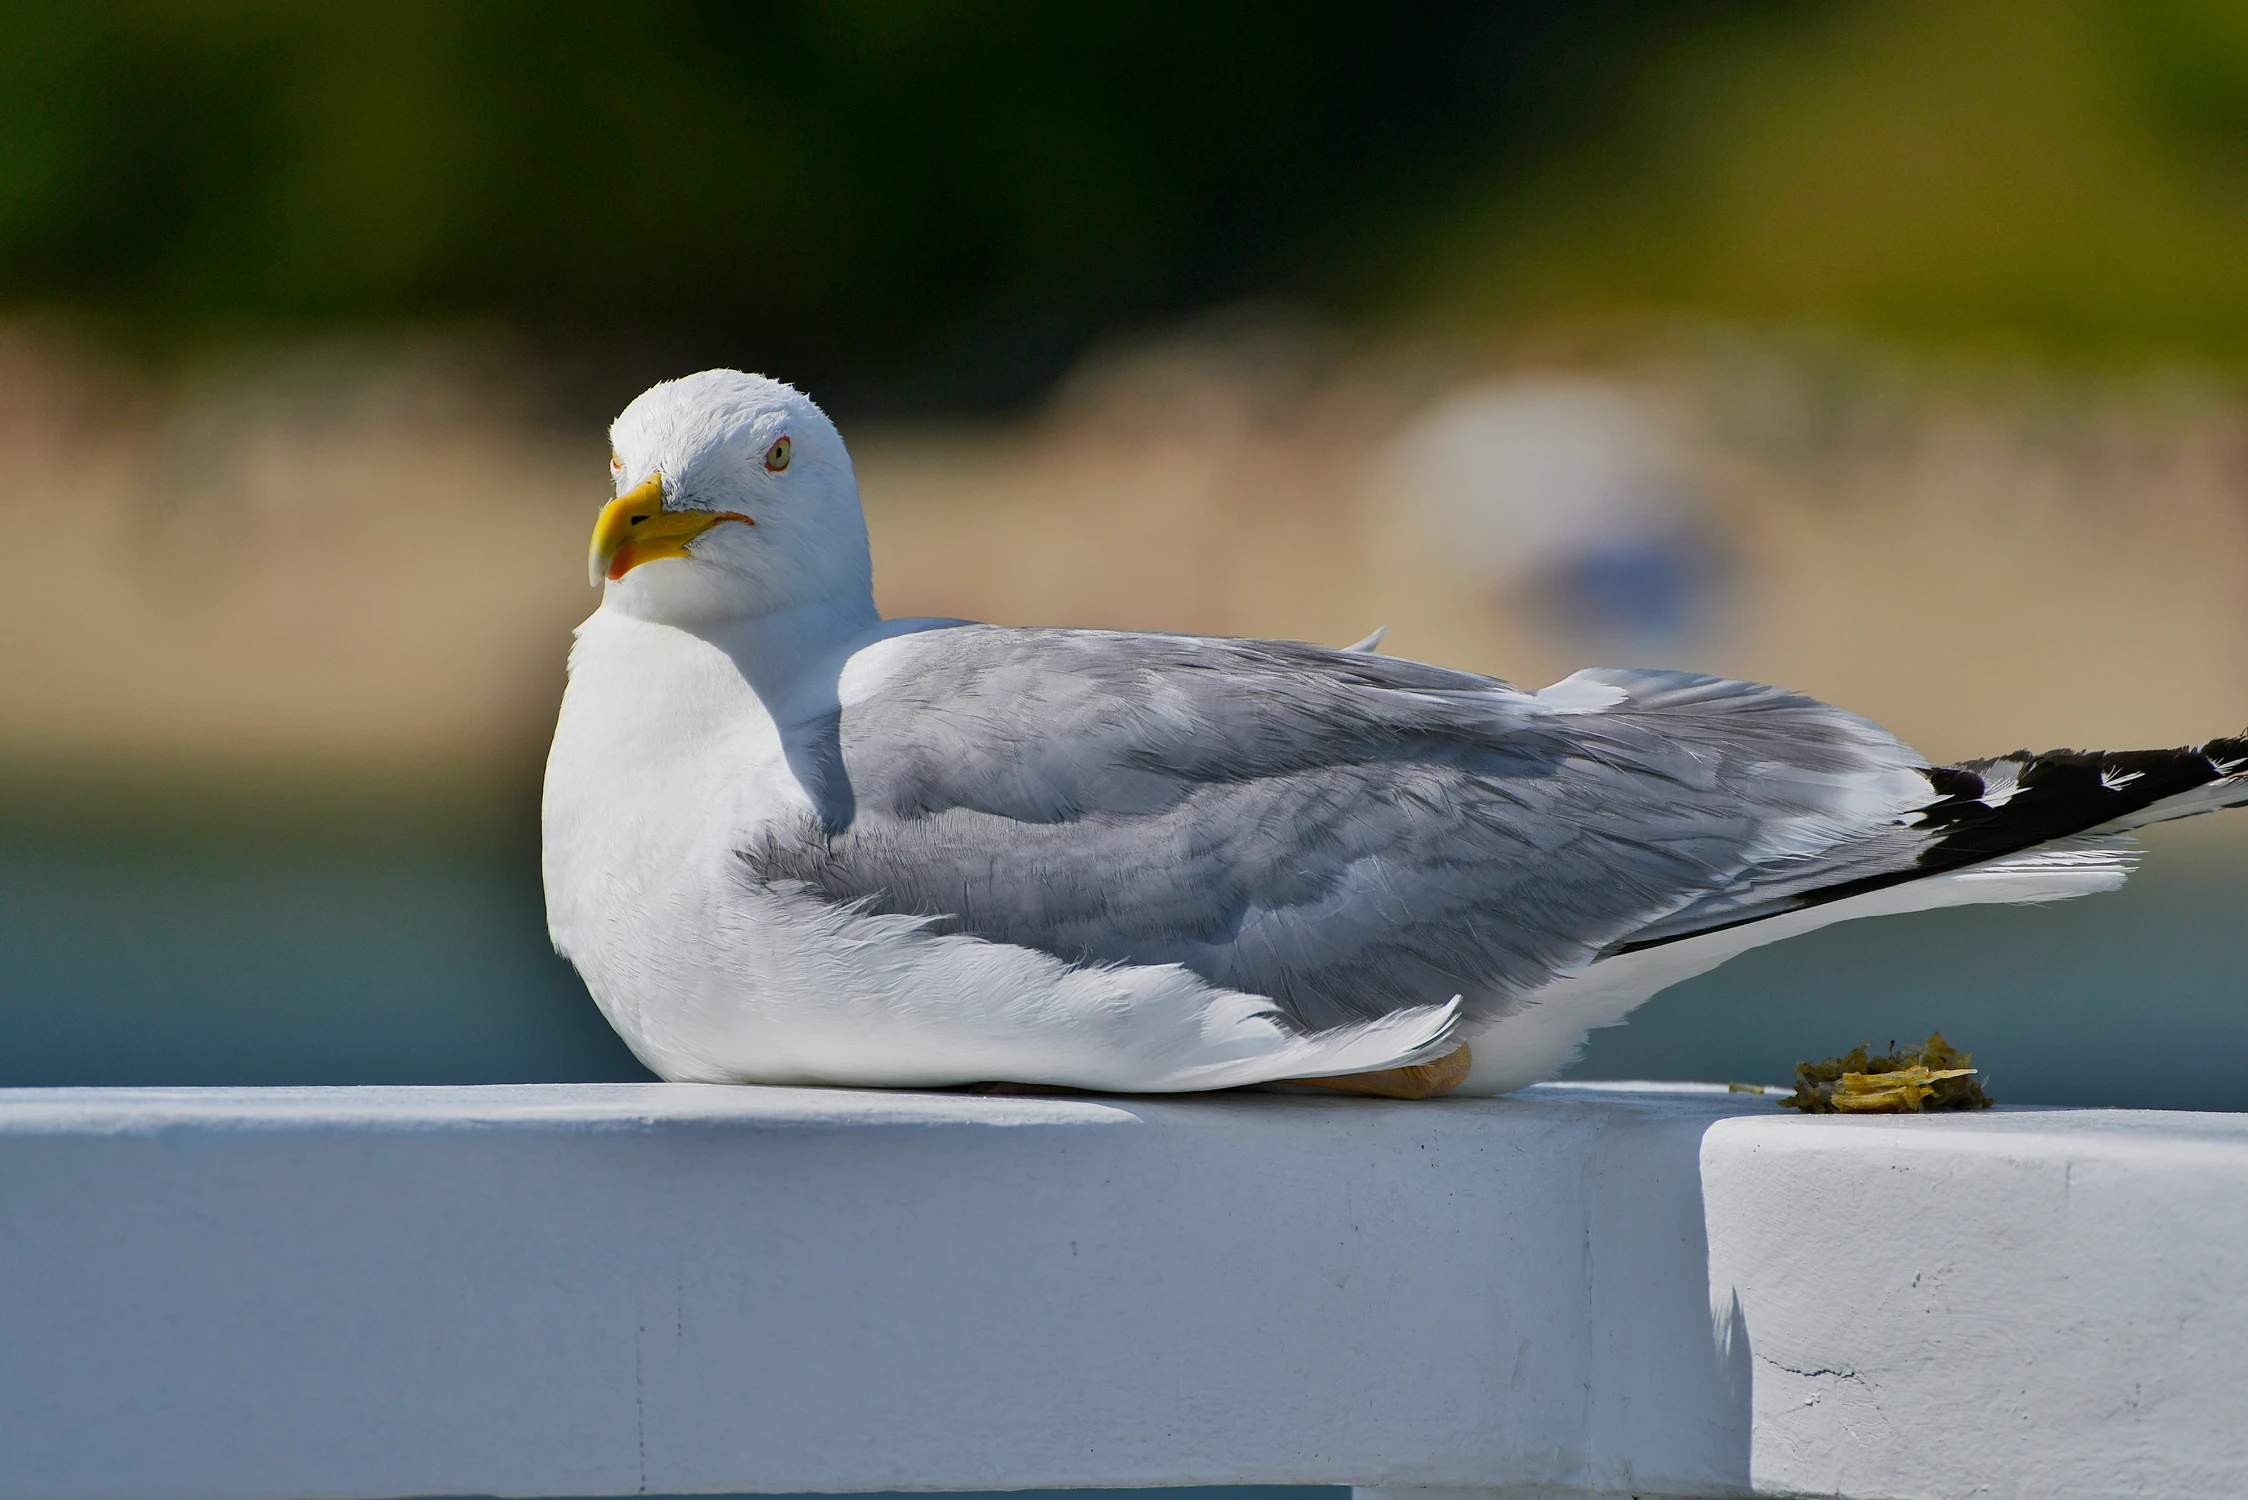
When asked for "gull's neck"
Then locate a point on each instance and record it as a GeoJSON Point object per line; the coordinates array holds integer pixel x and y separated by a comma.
{"type": "Point", "coordinates": [782, 653]}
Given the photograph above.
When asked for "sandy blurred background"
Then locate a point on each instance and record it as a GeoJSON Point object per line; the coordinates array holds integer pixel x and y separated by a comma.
{"type": "Point", "coordinates": [1885, 350]}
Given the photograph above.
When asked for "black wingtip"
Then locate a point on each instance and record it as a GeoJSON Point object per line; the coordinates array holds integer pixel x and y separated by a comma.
{"type": "Point", "coordinates": [1989, 808]}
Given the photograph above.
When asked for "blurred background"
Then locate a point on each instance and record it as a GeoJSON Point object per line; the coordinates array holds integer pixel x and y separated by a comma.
{"type": "Point", "coordinates": [1890, 350]}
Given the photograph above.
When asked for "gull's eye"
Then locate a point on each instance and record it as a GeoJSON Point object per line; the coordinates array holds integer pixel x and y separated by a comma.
{"type": "Point", "coordinates": [776, 457]}
{"type": "Point", "coordinates": [616, 465]}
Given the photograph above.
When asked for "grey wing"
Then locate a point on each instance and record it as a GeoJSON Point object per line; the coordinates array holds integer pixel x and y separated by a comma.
{"type": "Point", "coordinates": [1348, 834]}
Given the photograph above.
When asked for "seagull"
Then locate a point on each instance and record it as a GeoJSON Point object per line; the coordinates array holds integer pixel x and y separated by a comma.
{"type": "Point", "coordinates": [788, 841]}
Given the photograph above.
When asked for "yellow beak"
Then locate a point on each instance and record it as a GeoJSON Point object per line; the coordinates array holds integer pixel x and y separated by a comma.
{"type": "Point", "coordinates": [635, 528]}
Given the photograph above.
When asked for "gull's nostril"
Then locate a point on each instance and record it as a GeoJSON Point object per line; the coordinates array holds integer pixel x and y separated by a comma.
{"type": "Point", "coordinates": [636, 520]}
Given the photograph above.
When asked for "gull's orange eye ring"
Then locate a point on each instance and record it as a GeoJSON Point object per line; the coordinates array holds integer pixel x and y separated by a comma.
{"type": "Point", "coordinates": [776, 457]}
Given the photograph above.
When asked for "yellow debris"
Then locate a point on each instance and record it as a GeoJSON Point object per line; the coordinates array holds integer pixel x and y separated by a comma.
{"type": "Point", "coordinates": [1934, 1075]}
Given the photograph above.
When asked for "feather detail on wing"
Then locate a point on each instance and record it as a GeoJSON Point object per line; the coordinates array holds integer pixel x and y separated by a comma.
{"type": "Point", "coordinates": [1352, 836]}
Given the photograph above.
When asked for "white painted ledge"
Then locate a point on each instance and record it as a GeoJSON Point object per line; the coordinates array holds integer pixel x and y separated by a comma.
{"type": "Point", "coordinates": [601, 1289]}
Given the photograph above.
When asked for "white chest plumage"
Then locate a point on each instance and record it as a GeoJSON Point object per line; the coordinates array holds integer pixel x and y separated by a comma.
{"type": "Point", "coordinates": [664, 760]}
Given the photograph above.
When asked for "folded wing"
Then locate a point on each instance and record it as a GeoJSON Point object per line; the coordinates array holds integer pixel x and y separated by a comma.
{"type": "Point", "coordinates": [1350, 835]}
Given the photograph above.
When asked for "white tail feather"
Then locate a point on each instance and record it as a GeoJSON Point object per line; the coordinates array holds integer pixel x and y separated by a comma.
{"type": "Point", "coordinates": [1539, 1039]}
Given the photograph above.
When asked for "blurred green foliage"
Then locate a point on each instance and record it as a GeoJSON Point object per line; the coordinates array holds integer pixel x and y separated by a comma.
{"type": "Point", "coordinates": [961, 190]}
{"type": "Point", "coordinates": [2066, 178]}
{"type": "Point", "coordinates": [951, 198]}
{"type": "Point", "coordinates": [2191, 57]}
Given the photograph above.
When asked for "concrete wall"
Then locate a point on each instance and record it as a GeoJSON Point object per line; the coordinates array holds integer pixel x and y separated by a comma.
{"type": "Point", "coordinates": [600, 1289]}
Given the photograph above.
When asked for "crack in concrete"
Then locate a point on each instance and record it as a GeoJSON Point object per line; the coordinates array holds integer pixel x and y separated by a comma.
{"type": "Point", "coordinates": [1811, 1373]}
